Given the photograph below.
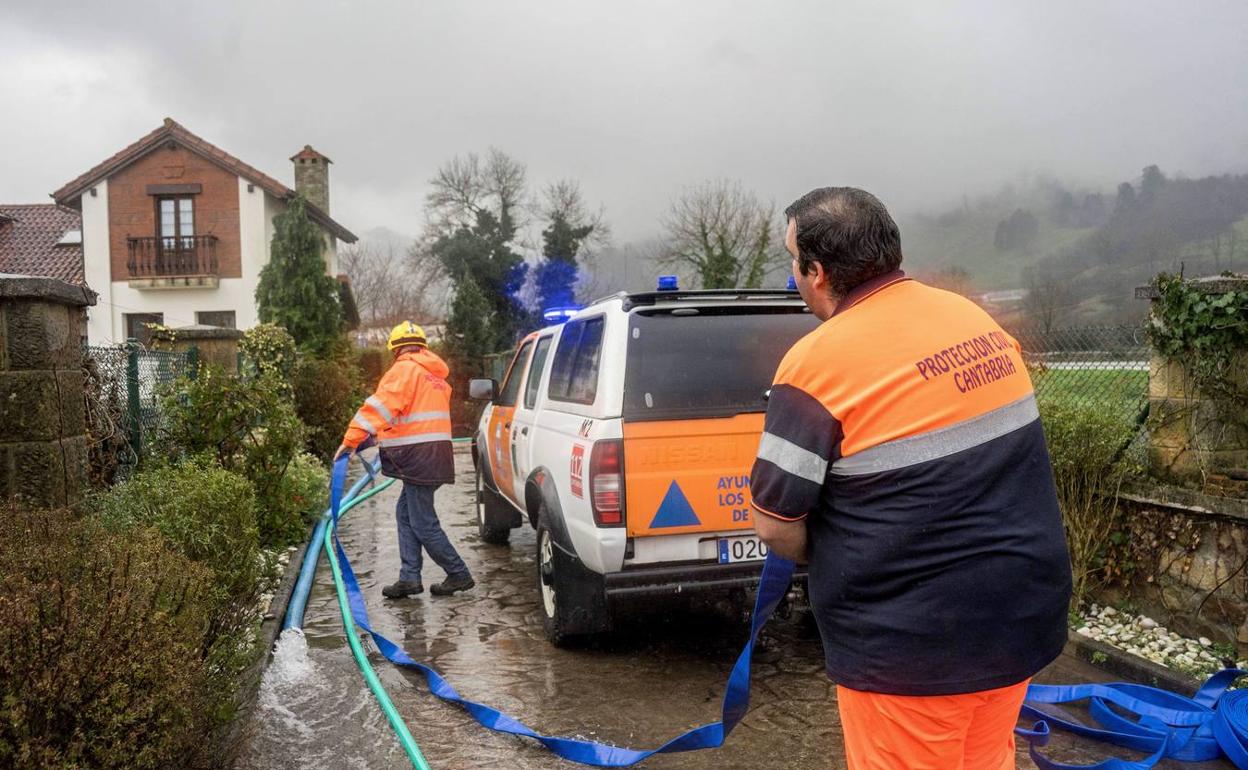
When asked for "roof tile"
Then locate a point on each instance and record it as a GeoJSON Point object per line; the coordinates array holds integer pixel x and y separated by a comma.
{"type": "Point", "coordinates": [172, 130]}
{"type": "Point", "coordinates": [29, 237]}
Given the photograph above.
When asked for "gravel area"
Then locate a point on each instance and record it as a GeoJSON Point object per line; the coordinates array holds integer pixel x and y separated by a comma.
{"type": "Point", "coordinates": [1141, 635]}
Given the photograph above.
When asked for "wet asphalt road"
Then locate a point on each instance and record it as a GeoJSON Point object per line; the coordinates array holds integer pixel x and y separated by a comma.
{"type": "Point", "coordinates": [663, 672]}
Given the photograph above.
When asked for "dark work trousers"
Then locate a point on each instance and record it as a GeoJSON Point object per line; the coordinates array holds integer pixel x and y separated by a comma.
{"type": "Point", "coordinates": [419, 527]}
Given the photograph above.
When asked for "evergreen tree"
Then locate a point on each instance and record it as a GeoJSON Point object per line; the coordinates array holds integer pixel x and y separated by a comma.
{"type": "Point", "coordinates": [470, 327]}
{"type": "Point", "coordinates": [556, 275]}
{"type": "Point", "coordinates": [482, 255]}
{"type": "Point", "coordinates": [295, 292]}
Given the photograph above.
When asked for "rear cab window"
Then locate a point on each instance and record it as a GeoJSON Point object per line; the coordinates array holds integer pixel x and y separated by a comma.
{"type": "Point", "coordinates": [706, 361]}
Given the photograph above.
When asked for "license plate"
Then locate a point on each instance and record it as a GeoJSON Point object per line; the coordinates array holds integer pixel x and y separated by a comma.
{"type": "Point", "coordinates": [735, 549]}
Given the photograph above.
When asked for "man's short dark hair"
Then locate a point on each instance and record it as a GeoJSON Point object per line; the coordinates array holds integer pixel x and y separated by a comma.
{"type": "Point", "coordinates": [849, 232]}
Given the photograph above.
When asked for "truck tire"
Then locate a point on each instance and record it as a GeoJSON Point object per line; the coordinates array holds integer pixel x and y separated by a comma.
{"type": "Point", "coordinates": [569, 596]}
{"type": "Point", "coordinates": [489, 514]}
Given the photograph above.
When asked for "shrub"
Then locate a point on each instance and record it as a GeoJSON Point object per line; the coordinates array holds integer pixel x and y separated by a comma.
{"type": "Point", "coordinates": [1085, 445]}
{"type": "Point", "coordinates": [327, 393]}
{"type": "Point", "coordinates": [295, 501]}
{"type": "Point", "coordinates": [102, 634]}
{"type": "Point", "coordinates": [372, 363]}
{"type": "Point", "coordinates": [270, 349]}
{"type": "Point", "coordinates": [205, 512]}
{"type": "Point", "coordinates": [245, 424]}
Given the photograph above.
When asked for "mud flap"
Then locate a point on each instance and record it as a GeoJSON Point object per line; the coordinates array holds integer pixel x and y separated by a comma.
{"type": "Point", "coordinates": [586, 599]}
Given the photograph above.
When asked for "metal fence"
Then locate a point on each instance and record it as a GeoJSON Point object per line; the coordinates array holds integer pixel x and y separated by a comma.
{"type": "Point", "coordinates": [125, 385]}
{"type": "Point", "coordinates": [1104, 367]}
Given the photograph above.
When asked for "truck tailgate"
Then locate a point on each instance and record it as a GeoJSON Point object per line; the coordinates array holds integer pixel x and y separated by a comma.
{"type": "Point", "coordinates": [686, 476]}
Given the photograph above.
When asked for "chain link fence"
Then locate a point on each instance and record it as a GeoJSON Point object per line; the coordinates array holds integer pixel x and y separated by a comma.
{"type": "Point", "coordinates": [123, 388]}
{"type": "Point", "coordinates": [1094, 366]}
{"type": "Point", "coordinates": [1102, 367]}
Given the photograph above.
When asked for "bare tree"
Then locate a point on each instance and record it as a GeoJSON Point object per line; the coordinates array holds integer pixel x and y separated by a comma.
{"type": "Point", "coordinates": [465, 187]}
{"type": "Point", "coordinates": [391, 286]}
{"type": "Point", "coordinates": [1048, 296]}
{"type": "Point", "coordinates": [572, 232]}
{"type": "Point", "coordinates": [724, 233]}
{"type": "Point", "coordinates": [562, 199]}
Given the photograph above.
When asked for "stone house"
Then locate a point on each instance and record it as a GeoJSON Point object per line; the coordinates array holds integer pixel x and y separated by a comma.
{"type": "Point", "coordinates": [171, 230]}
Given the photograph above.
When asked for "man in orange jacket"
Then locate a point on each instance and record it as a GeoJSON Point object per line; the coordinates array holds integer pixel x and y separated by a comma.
{"type": "Point", "coordinates": [409, 417]}
{"type": "Point", "coordinates": [903, 457]}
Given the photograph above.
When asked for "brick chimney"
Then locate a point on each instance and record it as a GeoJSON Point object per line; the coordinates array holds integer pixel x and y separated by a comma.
{"type": "Point", "coordinates": [312, 176]}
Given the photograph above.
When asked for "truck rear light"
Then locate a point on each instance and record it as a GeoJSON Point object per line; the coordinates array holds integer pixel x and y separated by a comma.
{"type": "Point", "coordinates": [606, 482]}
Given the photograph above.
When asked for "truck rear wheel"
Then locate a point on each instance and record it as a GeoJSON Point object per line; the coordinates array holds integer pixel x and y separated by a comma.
{"type": "Point", "coordinates": [569, 596]}
{"type": "Point", "coordinates": [489, 512]}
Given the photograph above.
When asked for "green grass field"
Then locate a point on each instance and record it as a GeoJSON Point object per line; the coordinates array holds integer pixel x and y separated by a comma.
{"type": "Point", "coordinates": [1122, 391]}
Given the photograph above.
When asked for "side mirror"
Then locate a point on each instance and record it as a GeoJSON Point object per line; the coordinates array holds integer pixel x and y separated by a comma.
{"type": "Point", "coordinates": [482, 389]}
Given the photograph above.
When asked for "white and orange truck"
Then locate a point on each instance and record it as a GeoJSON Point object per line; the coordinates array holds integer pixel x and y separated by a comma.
{"type": "Point", "coordinates": [624, 433]}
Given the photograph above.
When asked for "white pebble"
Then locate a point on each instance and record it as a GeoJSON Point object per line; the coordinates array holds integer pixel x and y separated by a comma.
{"type": "Point", "coordinates": [1147, 623]}
{"type": "Point", "coordinates": [1205, 641]}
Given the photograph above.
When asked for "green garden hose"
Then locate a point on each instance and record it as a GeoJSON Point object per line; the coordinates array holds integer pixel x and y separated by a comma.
{"type": "Point", "coordinates": [357, 650]}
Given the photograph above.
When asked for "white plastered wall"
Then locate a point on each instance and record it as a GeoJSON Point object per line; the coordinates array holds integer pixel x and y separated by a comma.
{"type": "Point", "coordinates": [97, 265]}
{"type": "Point", "coordinates": [106, 321]}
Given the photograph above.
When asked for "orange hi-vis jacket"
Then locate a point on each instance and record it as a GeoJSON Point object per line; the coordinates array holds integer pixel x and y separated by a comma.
{"type": "Point", "coordinates": [410, 418]}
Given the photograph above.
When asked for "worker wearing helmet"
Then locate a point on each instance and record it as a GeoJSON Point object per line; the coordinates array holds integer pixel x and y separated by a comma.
{"type": "Point", "coordinates": [903, 458]}
{"type": "Point", "coordinates": [409, 417]}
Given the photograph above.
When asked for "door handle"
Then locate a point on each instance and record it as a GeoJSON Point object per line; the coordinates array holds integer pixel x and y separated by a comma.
{"type": "Point", "coordinates": [524, 431]}
{"type": "Point", "coordinates": [507, 426]}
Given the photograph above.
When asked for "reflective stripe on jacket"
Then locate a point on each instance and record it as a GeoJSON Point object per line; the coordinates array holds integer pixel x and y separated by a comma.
{"type": "Point", "coordinates": [410, 418]}
{"type": "Point", "coordinates": [905, 432]}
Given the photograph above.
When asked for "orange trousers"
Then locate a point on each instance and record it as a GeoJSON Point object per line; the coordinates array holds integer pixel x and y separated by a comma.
{"type": "Point", "coordinates": [971, 731]}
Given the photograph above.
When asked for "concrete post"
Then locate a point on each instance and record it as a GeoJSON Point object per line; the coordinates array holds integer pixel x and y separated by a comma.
{"type": "Point", "coordinates": [43, 427]}
{"type": "Point", "coordinates": [204, 345]}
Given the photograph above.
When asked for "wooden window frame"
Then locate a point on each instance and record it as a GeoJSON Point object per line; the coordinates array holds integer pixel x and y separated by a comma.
{"type": "Point", "coordinates": [177, 216]}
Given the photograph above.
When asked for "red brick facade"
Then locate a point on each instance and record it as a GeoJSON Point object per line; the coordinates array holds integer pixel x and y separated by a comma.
{"type": "Point", "coordinates": [132, 211]}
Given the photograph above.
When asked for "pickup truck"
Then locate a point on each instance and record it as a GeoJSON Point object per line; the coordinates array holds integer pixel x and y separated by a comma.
{"type": "Point", "coordinates": [625, 434]}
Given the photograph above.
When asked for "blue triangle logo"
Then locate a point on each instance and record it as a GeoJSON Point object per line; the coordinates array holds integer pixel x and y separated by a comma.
{"type": "Point", "coordinates": [674, 511]}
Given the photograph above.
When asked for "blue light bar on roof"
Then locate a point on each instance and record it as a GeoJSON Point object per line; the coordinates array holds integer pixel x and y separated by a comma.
{"type": "Point", "coordinates": [792, 284]}
{"type": "Point", "coordinates": [668, 283]}
{"type": "Point", "coordinates": [557, 315]}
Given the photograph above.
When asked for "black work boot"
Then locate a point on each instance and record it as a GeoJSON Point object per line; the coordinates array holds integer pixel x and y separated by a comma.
{"type": "Point", "coordinates": [452, 584]}
{"type": "Point", "coordinates": [402, 588]}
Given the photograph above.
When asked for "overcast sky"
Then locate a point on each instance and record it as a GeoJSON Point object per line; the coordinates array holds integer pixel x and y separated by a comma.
{"type": "Point", "coordinates": [919, 102]}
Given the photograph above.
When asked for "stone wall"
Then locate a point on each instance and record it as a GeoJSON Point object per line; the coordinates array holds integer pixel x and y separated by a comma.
{"type": "Point", "coordinates": [1189, 555]}
{"type": "Point", "coordinates": [1196, 439]}
{"type": "Point", "coordinates": [43, 429]}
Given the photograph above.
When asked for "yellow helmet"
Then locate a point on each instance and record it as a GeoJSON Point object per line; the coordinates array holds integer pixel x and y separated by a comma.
{"type": "Point", "coordinates": [406, 333]}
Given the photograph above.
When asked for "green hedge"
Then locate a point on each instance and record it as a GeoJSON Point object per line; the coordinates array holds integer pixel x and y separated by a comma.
{"type": "Point", "coordinates": [102, 632]}
{"type": "Point", "coordinates": [327, 393]}
{"type": "Point", "coordinates": [245, 424]}
{"type": "Point", "coordinates": [372, 363]}
{"type": "Point", "coordinates": [207, 513]}
{"type": "Point", "coordinates": [1086, 446]}
{"type": "Point", "coordinates": [300, 495]}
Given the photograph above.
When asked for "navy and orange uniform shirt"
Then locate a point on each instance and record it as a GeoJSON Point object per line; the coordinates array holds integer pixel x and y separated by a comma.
{"type": "Point", "coordinates": [904, 430]}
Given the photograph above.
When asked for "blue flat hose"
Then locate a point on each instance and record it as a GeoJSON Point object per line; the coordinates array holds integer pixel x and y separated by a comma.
{"type": "Point", "coordinates": [307, 571]}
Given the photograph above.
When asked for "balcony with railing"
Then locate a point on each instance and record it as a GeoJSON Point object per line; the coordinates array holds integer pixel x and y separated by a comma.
{"type": "Point", "coordinates": [173, 262]}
